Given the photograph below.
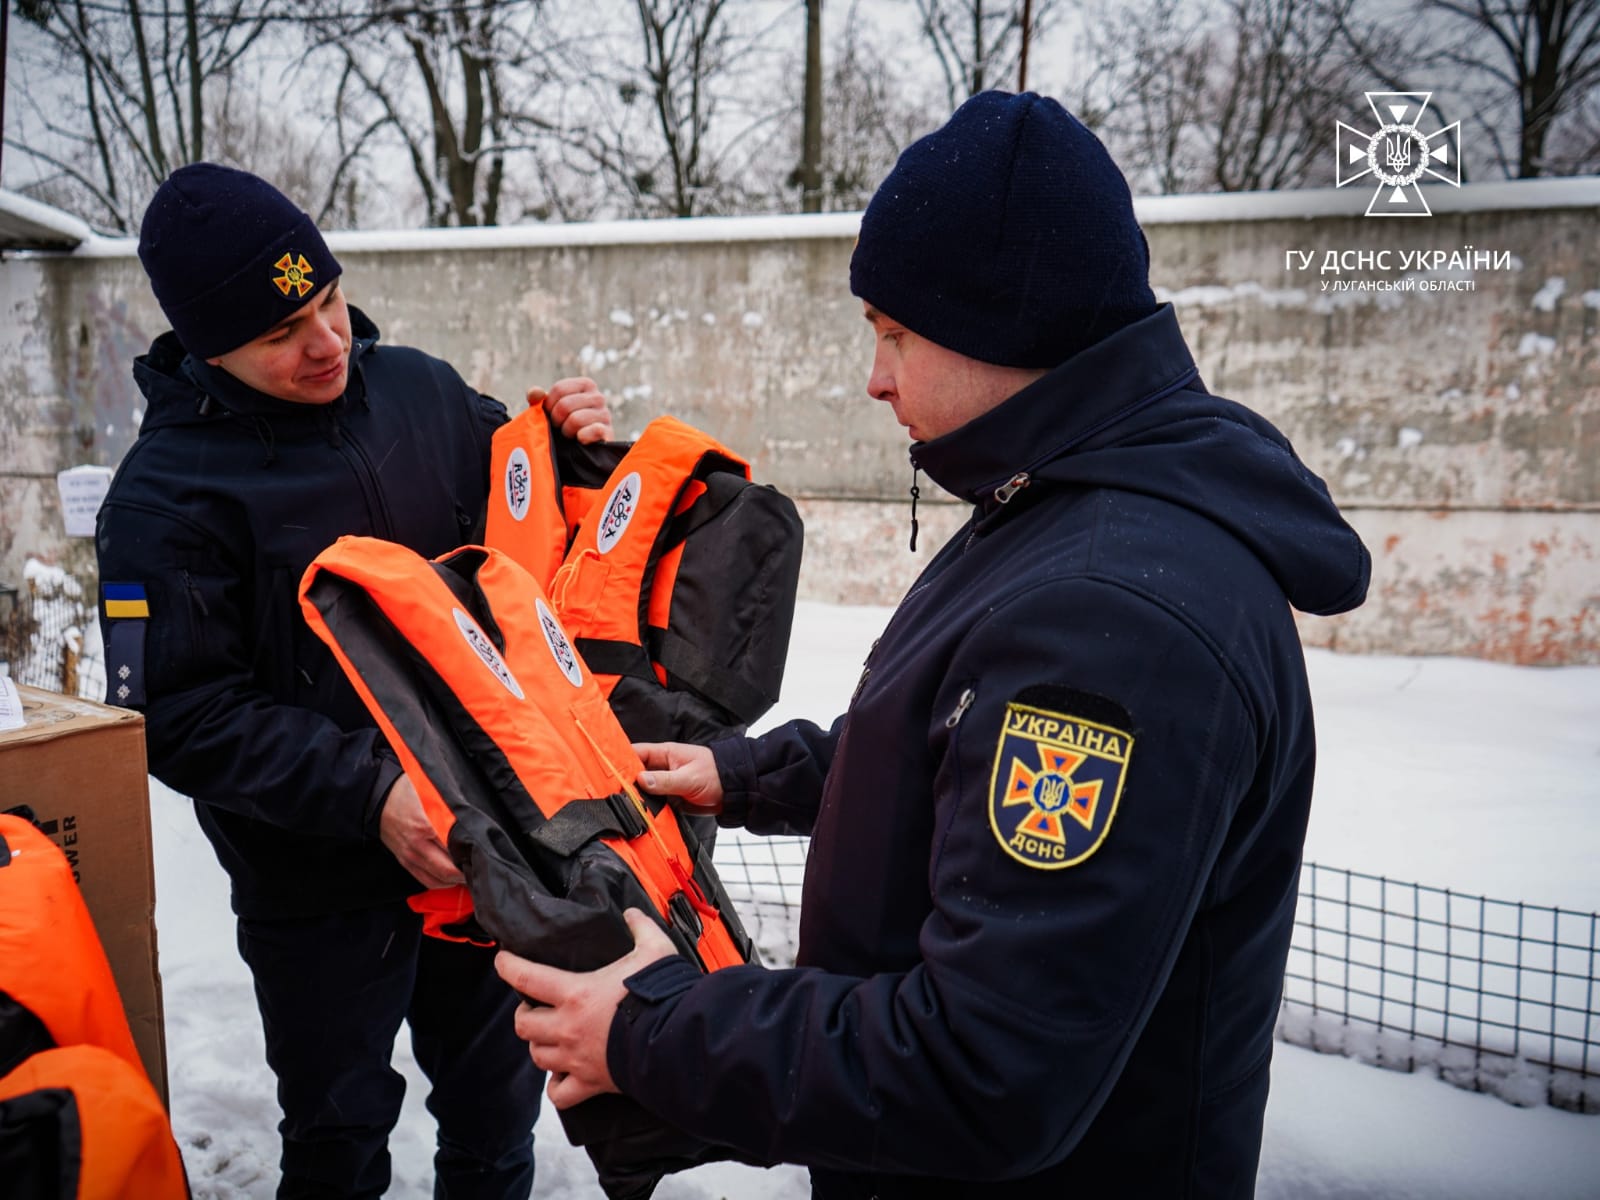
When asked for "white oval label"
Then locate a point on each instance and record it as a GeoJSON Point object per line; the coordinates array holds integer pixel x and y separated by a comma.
{"type": "Point", "coordinates": [484, 648]}
{"type": "Point", "coordinates": [519, 483]}
{"type": "Point", "coordinates": [560, 649]}
{"type": "Point", "coordinates": [620, 507]}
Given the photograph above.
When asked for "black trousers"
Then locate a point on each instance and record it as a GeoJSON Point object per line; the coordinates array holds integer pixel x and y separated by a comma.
{"type": "Point", "coordinates": [333, 991]}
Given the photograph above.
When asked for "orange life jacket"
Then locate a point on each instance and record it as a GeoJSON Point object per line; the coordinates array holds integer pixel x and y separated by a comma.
{"type": "Point", "coordinates": [79, 1119]}
{"type": "Point", "coordinates": [521, 767]}
{"type": "Point", "coordinates": [81, 1123]}
{"type": "Point", "coordinates": [673, 573]}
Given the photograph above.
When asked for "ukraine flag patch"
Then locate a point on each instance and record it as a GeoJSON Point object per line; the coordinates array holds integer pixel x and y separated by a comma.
{"type": "Point", "coordinates": [124, 600]}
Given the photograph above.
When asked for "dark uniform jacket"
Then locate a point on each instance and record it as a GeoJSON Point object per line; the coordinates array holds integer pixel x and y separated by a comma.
{"type": "Point", "coordinates": [1056, 836]}
{"type": "Point", "coordinates": [215, 512]}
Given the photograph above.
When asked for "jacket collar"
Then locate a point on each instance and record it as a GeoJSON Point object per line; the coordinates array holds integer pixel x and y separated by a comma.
{"type": "Point", "coordinates": [1089, 393]}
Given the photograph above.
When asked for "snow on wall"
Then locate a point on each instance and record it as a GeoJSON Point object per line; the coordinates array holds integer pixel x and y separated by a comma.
{"type": "Point", "coordinates": [1439, 374]}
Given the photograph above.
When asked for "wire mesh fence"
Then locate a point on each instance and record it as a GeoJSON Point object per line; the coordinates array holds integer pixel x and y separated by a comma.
{"type": "Point", "coordinates": [1495, 995]}
{"type": "Point", "coordinates": [48, 635]}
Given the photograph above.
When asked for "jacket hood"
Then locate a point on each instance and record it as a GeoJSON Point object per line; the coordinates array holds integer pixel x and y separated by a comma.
{"type": "Point", "coordinates": [1131, 414]}
{"type": "Point", "coordinates": [182, 390]}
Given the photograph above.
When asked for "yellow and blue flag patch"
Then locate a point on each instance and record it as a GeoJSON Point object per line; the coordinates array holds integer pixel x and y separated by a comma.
{"type": "Point", "coordinates": [123, 600]}
{"type": "Point", "coordinates": [1056, 782]}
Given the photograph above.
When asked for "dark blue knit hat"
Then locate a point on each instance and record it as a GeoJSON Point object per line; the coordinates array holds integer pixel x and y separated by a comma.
{"type": "Point", "coordinates": [229, 256]}
{"type": "Point", "coordinates": [1007, 236]}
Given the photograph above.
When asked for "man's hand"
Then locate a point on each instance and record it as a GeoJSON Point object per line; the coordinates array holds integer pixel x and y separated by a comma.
{"type": "Point", "coordinates": [683, 771]}
{"type": "Point", "coordinates": [566, 1030]}
{"type": "Point", "coordinates": [405, 831]}
{"type": "Point", "coordinates": [575, 407]}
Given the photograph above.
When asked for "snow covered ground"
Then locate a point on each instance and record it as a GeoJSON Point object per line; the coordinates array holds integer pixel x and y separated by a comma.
{"type": "Point", "coordinates": [1446, 772]}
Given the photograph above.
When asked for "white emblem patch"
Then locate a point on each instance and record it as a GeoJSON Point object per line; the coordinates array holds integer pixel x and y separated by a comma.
{"type": "Point", "coordinates": [560, 648]}
{"type": "Point", "coordinates": [620, 507]}
{"type": "Point", "coordinates": [484, 649]}
{"type": "Point", "coordinates": [519, 483]}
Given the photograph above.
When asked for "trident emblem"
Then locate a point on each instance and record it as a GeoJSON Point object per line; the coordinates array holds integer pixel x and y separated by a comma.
{"type": "Point", "coordinates": [1397, 153]}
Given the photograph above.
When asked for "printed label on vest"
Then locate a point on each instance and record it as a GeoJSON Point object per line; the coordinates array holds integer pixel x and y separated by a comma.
{"type": "Point", "coordinates": [620, 507]}
{"type": "Point", "coordinates": [519, 483]}
{"type": "Point", "coordinates": [484, 648]}
{"type": "Point", "coordinates": [560, 648]}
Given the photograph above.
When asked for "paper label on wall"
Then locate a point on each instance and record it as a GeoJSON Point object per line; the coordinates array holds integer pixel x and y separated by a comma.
{"type": "Point", "coordinates": [82, 489]}
{"type": "Point", "coordinates": [10, 705]}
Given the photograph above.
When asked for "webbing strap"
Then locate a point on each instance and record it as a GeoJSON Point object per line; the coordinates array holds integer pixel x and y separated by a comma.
{"type": "Point", "coordinates": [578, 822]}
{"type": "Point", "coordinates": [684, 662]}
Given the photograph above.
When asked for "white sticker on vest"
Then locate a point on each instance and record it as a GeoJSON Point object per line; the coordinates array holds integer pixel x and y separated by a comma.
{"type": "Point", "coordinates": [619, 510]}
{"type": "Point", "coordinates": [560, 649]}
{"type": "Point", "coordinates": [484, 649]}
{"type": "Point", "coordinates": [519, 483]}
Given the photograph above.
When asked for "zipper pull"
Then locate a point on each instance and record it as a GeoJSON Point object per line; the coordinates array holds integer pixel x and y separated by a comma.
{"type": "Point", "coordinates": [964, 703]}
{"type": "Point", "coordinates": [1011, 487]}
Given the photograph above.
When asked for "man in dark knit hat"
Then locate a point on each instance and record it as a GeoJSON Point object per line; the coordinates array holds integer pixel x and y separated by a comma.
{"type": "Point", "coordinates": [1056, 835]}
{"type": "Point", "coordinates": [276, 423]}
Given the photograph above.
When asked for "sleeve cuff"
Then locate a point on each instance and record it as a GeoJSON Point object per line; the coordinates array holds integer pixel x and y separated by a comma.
{"type": "Point", "coordinates": [655, 984]}
{"type": "Point", "coordinates": [736, 770]}
{"type": "Point", "coordinates": [388, 772]}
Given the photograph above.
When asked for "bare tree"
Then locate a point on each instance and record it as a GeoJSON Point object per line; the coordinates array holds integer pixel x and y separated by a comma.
{"type": "Point", "coordinates": [1544, 54]}
{"type": "Point", "coordinates": [977, 42]}
{"type": "Point", "coordinates": [868, 116]}
{"type": "Point", "coordinates": [453, 84]}
{"type": "Point", "coordinates": [144, 89]}
{"type": "Point", "coordinates": [1236, 97]}
{"type": "Point", "coordinates": [680, 121]}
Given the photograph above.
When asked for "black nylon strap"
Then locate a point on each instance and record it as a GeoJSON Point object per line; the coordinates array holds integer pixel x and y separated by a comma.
{"type": "Point", "coordinates": [684, 661]}
{"type": "Point", "coordinates": [605, 657]}
{"type": "Point", "coordinates": [578, 822]}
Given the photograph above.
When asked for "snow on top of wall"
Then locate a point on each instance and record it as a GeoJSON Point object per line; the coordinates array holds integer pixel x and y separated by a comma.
{"type": "Point", "coordinates": [27, 224]}
{"type": "Point", "coordinates": [1508, 195]}
{"type": "Point", "coordinates": [1306, 204]}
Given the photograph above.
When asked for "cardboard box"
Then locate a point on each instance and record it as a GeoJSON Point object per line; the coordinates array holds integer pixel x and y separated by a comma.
{"type": "Point", "coordinates": [81, 767]}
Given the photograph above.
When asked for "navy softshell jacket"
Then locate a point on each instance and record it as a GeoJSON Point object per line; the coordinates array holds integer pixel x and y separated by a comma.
{"type": "Point", "coordinates": [1057, 834]}
{"type": "Point", "coordinates": [215, 512]}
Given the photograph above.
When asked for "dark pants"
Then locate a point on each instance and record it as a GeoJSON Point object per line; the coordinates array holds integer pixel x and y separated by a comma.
{"type": "Point", "coordinates": [333, 991]}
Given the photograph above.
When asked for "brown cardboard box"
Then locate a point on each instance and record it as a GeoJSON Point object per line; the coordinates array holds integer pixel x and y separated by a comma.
{"type": "Point", "coordinates": [81, 767]}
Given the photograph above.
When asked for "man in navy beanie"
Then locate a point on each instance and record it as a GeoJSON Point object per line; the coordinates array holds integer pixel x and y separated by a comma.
{"type": "Point", "coordinates": [275, 423]}
{"type": "Point", "coordinates": [1057, 833]}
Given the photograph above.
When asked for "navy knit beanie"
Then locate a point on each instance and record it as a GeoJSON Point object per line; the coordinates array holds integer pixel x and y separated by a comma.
{"type": "Point", "coordinates": [229, 256]}
{"type": "Point", "coordinates": [1007, 236]}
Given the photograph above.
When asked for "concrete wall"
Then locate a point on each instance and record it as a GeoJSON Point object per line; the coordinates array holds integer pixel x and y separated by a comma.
{"type": "Point", "coordinates": [1459, 428]}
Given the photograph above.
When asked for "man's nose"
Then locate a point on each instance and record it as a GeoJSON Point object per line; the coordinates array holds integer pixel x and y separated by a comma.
{"type": "Point", "coordinates": [325, 341]}
{"type": "Point", "coordinates": [880, 383]}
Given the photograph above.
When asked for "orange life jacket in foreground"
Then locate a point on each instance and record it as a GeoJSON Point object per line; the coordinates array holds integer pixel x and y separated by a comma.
{"type": "Point", "coordinates": [79, 1119]}
{"type": "Point", "coordinates": [526, 775]}
{"type": "Point", "coordinates": [521, 767]}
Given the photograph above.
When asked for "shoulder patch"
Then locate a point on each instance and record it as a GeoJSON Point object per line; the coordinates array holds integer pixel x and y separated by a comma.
{"type": "Point", "coordinates": [1059, 766]}
{"type": "Point", "coordinates": [127, 611]}
{"type": "Point", "coordinates": [124, 600]}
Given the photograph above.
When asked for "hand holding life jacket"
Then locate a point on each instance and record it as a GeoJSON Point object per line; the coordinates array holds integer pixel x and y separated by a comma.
{"type": "Point", "coordinates": [521, 767]}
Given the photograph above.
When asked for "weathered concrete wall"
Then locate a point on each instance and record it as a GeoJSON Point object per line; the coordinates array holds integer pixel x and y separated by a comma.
{"type": "Point", "coordinates": [1459, 428]}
